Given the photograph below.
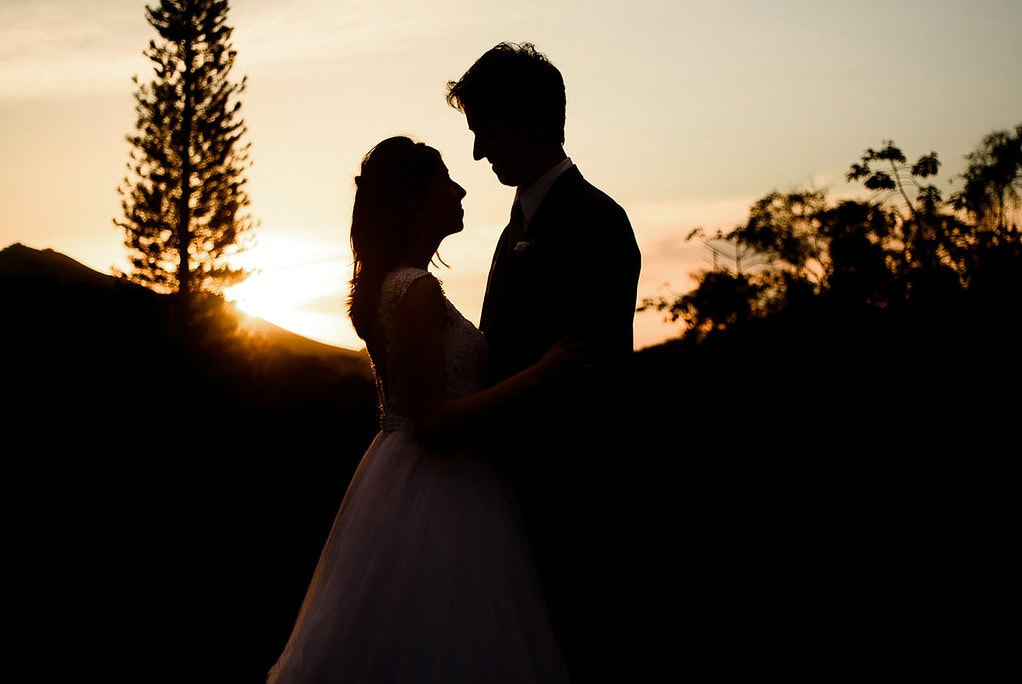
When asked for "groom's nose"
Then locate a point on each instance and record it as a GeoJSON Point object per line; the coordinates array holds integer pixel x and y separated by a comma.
{"type": "Point", "coordinates": [478, 151]}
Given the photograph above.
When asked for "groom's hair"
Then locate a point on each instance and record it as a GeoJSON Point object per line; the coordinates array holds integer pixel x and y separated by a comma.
{"type": "Point", "coordinates": [514, 82]}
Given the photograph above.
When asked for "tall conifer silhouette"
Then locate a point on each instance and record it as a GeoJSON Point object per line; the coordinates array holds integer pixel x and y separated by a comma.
{"type": "Point", "coordinates": [184, 203]}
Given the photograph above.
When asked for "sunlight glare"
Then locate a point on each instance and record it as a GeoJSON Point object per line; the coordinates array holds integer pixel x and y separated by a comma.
{"type": "Point", "coordinates": [299, 285]}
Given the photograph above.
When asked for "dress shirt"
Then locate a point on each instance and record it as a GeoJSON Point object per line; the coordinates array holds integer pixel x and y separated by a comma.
{"type": "Point", "coordinates": [529, 198]}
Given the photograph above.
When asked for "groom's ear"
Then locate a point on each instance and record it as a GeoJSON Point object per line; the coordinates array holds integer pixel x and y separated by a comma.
{"type": "Point", "coordinates": [533, 123]}
{"type": "Point", "coordinates": [531, 117]}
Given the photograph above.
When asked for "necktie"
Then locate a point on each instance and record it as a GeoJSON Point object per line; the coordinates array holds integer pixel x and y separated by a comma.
{"type": "Point", "coordinates": [515, 225]}
{"type": "Point", "coordinates": [512, 235]}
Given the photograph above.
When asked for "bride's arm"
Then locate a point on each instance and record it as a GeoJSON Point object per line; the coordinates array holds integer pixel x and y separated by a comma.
{"type": "Point", "coordinates": [420, 352]}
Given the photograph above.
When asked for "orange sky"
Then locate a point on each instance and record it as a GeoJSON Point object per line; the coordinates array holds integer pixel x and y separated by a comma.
{"type": "Point", "coordinates": [685, 111]}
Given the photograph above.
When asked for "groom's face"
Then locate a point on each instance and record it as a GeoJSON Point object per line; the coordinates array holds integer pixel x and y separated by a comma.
{"type": "Point", "coordinates": [506, 144]}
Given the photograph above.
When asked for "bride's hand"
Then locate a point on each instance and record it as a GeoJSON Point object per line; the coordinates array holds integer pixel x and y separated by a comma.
{"type": "Point", "coordinates": [569, 353]}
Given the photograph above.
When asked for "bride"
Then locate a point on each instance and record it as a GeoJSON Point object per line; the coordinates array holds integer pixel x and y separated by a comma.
{"type": "Point", "coordinates": [426, 575]}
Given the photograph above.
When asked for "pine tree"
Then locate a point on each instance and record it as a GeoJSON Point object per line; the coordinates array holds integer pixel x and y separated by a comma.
{"type": "Point", "coordinates": [185, 207]}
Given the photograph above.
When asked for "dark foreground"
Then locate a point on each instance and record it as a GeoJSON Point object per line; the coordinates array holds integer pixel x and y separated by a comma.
{"type": "Point", "coordinates": [821, 503]}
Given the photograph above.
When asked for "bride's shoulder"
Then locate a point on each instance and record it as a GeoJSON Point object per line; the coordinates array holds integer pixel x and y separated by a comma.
{"type": "Point", "coordinates": [399, 280]}
{"type": "Point", "coordinates": [397, 283]}
{"type": "Point", "coordinates": [410, 298]}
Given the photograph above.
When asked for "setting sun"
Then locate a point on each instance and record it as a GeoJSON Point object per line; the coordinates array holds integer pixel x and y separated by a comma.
{"type": "Point", "coordinates": [290, 289]}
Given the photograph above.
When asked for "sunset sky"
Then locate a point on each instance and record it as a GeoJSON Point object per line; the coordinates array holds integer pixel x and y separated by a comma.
{"type": "Point", "coordinates": [685, 112]}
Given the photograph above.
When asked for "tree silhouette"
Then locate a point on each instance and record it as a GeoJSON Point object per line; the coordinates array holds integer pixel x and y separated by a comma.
{"type": "Point", "coordinates": [185, 205]}
{"type": "Point", "coordinates": [904, 250]}
{"type": "Point", "coordinates": [992, 193]}
{"type": "Point", "coordinates": [992, 197]}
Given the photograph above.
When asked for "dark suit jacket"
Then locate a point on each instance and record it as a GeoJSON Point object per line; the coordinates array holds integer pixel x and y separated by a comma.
{"type": "Point", "coordinates": [578, 275]}
{"type": "Point", "coordinates": [564, 450]}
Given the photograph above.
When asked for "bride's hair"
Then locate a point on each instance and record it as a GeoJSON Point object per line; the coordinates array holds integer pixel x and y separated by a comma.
{"type": "Point", "coordinates": [393, 173]}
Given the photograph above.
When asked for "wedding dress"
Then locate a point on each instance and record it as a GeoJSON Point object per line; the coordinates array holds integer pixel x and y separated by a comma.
{"type": "Point", "coordinates": [426, 575]}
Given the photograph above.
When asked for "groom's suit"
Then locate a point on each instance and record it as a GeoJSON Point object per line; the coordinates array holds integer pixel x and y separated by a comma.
{"type": "Point", "coordinates": [577, 272]}
{"type": "Point", "coordinates": [573, 271]}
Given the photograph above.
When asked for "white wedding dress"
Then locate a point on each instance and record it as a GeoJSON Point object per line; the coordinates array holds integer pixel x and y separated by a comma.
{"type": "Point", "coordinates": [426, 575]}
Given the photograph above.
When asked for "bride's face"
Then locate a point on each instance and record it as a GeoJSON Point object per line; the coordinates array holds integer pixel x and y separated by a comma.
{"type": "Point", "coordinates": [441, 206]}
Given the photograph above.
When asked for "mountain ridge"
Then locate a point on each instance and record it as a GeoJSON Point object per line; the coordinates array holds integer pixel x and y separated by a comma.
{"type": "Point", "coordinates": [22, 262]}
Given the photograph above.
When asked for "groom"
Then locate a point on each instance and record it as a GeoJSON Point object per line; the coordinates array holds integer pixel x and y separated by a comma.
{"type": "Point", "coordinates": [566, 265]}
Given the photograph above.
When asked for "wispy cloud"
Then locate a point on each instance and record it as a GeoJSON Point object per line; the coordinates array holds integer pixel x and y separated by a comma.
{"type": "Point", "coordinates": [272, 31]}
{"type": "Point", "coordinates": [67, 47]}
{"type": "Point", "coordinates": [63, 48]}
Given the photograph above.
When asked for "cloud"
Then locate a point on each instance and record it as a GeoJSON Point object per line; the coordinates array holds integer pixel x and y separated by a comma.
{"type": "Point", "coordinates": [52, 48]}
{"type": "Point", "coordinates": [268, 31]}
{"type": "Point", "coordinates": [65, 48]}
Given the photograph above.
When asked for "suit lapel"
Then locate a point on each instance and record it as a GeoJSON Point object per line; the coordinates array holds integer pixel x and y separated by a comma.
{"type": "Point", "coordinates": [545, 218]}
{"type": "Point", "coordinates": [498, 267]}
{"type": "Point", "coordinates": [505, 262]}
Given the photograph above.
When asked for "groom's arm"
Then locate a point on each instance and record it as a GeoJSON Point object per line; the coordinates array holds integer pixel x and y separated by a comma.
{"type": "Point", "coordinates": [603, 281]}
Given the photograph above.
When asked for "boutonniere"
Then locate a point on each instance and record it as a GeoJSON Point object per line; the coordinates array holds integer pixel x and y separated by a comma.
{"type": "Point", "coordinates": [521, 246]}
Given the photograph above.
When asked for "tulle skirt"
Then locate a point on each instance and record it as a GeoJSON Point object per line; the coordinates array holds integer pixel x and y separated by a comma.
{"type": "Point", "coordinates": [425, 576]}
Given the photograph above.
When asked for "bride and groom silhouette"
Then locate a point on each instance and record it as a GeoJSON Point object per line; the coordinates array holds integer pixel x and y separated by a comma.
{"type": "Point", "coordinates": [478, 540]}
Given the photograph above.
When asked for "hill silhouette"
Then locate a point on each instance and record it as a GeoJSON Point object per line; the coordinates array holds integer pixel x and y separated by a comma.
{"type": "Point", "coordinates": [176, 495]}
{"type": "Point", "coordinates": [91, 343]}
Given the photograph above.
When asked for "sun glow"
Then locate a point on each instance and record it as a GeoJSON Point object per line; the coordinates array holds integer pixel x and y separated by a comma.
{"type": "Point", "coordinates": [297, 285]}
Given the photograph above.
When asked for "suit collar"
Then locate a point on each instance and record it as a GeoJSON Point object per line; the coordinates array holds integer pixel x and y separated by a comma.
{"type": "Point", "coordinates": [530, 198]}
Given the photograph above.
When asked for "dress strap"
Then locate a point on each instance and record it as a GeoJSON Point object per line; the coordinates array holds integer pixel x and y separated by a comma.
{"type": "Point", "coordinates": [391, 423]}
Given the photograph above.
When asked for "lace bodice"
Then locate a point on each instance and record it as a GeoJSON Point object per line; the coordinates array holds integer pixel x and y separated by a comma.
{"type": "Point", "coordinates": [465, 351]}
